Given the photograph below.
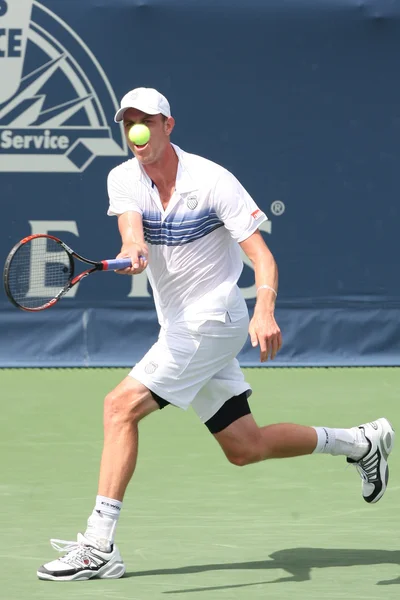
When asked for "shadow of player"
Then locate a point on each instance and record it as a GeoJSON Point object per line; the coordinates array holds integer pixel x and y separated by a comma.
{"type": "Point", "coordinates": [296, 562]}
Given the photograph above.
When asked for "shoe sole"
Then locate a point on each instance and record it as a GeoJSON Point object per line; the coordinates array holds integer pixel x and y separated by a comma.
{"type": "Point", "coordinates": [113, 571]}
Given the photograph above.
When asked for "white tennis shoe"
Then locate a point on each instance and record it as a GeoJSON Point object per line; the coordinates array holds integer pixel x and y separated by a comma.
{"type": "Point", "coordinates": [373, 467]}
{"type": "Point", "coordinates": [82, 561]}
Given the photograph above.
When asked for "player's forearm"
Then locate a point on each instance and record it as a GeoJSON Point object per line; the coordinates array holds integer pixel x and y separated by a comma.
{"type": "Point", "coordinates": [266, 274]}
{"type": "Point", "coordinates": [131, 228]}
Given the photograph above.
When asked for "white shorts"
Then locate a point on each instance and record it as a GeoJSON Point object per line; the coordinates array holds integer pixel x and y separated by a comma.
{"type": "Point", "coordinates": [194, 364]}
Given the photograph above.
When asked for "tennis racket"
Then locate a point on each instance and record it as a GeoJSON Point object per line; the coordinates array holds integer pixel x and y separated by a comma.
{"type": "Point", "coordinates": [40, 270]}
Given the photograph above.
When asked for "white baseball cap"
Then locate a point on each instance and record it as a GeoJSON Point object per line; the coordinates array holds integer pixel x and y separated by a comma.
{"type": "Point", "coordinates": [148, 100]}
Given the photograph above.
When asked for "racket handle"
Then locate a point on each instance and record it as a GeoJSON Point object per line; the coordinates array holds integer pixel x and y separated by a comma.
{"type": "Point", "coordinates": [116, 263]}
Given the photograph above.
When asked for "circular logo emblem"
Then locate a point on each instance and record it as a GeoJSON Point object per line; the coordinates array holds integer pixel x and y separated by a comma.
{"type": "Point", "coordinates": [150, 368]}
{"type": "Point", "coordinates": [192, 202]}
{"type": "Point", "coordinates": [278, 208]}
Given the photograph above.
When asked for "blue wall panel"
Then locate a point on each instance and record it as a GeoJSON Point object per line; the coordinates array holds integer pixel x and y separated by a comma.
{"type": "Point", "coordinates": [300, 99]}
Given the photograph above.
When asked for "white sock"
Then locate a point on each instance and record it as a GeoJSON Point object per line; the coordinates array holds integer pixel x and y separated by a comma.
{"type": "Point", "coordinates": [102, 522]}
{"type": "Point", "coordinates": [108, 506]}
{"type": "Point", "coordinates": [346, 442]}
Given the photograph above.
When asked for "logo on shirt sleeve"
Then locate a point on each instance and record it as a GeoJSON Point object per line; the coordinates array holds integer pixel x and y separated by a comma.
{"type": "Point", "coordinates": [257, 213]}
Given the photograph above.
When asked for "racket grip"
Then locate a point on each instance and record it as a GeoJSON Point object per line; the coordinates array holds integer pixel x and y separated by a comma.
{"type": "Point", "coordinates": [116, 263]}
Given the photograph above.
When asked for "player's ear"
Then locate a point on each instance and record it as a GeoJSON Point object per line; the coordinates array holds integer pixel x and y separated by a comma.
{"type": "Point", "coordinates": [169, 125]}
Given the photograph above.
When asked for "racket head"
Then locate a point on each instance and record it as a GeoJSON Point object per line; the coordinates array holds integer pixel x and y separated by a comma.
{"type": "Point", "coordinates": [32, 280]}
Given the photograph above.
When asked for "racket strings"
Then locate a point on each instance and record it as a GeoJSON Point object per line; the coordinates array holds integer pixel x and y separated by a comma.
{"type": "Point", "coordinates": [39, 270]}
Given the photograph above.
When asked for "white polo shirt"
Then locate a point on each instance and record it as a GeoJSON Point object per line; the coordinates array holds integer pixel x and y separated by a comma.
{"type": "Point", "coordinates": [194, 256]}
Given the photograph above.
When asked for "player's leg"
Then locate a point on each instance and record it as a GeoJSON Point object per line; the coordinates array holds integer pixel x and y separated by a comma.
{"type": "Point", "coordinates": [124, 407]}
{"type": "Point", "coordinates": [366, 446]}
{"type": "Point", "coordinates": [245, 443]}
{"type": "Point", "coordinates": [234, 427]}
{"type": "Point", "coordinates": [95, 554]}
{"type": "Point", "coordinates": [165, 370]}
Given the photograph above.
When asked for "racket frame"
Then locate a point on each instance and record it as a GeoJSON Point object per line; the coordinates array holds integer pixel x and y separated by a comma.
{"type": "Point", "coordinates": [96, 266]}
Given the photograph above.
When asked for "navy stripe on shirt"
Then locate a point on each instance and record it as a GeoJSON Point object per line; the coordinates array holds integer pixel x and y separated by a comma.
{"type": "Point", "coordinates": [179, 229]}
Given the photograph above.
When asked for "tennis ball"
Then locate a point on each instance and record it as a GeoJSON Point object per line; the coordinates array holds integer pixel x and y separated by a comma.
{"type": "Point", "coordinates": [139, 134]}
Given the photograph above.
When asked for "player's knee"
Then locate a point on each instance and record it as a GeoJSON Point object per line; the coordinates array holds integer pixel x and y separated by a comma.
{"type": "Point", "coordinates": [247, 451]}
{"type": "Point", "coordinates": [239, 460]}
{"type": "Point", "coordinates": [122, 407]}
{"type": "Point", "coordinates": [244, 457]}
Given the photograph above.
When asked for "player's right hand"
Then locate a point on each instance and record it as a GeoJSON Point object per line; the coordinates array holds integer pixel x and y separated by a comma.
{"type": "Point", "coordinates": [138, 253]}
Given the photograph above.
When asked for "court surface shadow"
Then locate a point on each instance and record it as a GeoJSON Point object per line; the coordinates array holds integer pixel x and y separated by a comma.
{"type": "Point", "coordinates": [296, 562]}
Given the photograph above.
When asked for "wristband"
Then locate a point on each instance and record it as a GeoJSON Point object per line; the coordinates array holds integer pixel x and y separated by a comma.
{"type": "Point", "coordinates": [267, 287]}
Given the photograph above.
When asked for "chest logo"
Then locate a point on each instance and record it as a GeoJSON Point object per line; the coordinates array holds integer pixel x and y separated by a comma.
{"type": "Point", "coordinates": [192, 201]}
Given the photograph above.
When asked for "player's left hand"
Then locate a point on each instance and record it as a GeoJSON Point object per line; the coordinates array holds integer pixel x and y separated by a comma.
{"type": "Point", "coordinates": [264, 331]}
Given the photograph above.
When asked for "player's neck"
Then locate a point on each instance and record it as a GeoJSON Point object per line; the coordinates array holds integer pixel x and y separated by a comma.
{"type": "Point", "coordinates": [163, 172]}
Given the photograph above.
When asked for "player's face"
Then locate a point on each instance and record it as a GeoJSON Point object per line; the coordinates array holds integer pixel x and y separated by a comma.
{"type": "Point", "coordinates": [160, 130]}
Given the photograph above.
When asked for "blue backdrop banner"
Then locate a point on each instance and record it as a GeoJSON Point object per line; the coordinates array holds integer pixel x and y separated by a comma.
{"type": "Point", "coordinates": [299, 99]}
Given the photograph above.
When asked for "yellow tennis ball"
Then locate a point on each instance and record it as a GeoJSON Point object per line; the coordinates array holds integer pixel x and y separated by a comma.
{"type": "Point", "coordinates": [139, 134]}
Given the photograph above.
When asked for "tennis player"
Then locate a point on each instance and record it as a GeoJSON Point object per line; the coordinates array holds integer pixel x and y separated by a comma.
{"type": "Point", "coordinates": [185, 219]}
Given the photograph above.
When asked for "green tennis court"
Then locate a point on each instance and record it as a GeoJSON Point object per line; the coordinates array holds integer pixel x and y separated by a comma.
{"type": "Point", "coordinates": [193, 526]}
